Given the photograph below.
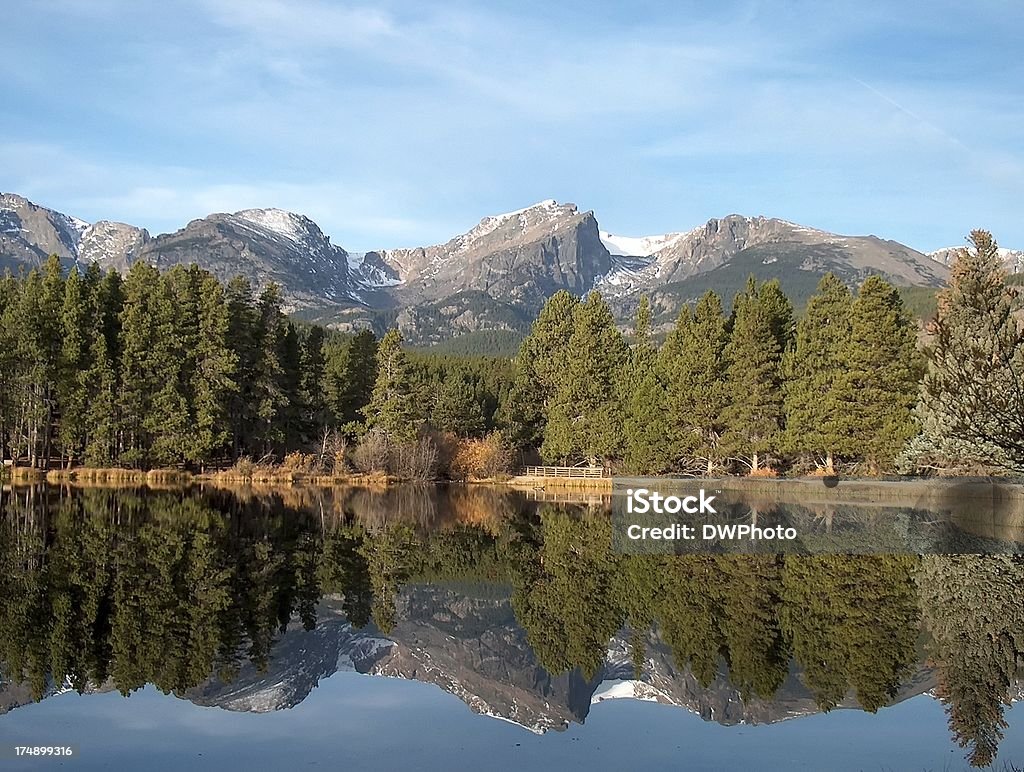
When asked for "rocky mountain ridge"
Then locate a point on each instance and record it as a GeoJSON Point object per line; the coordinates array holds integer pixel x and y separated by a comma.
{"type": "Point", "coordinates": [495, 276]}
{"type": "Point", "coordinates": [1013, 259]}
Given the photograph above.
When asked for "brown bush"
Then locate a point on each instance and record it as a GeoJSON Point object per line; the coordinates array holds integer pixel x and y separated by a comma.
{"type": "Point", "coordinates": [480, 459]}
{"type": "Point", "coordinates": [301, 463]}
{"type": "Point", "coordinates": [243, 468]}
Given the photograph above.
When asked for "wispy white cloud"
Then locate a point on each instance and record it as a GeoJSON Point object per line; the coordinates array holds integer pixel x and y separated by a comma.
{"type": "Point", "coordinates": [395, 122]}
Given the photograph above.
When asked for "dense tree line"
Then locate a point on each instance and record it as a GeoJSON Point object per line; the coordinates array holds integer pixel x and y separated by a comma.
{"type": "Point", "coordinates": [166, 369]}
{"type": "Point", "coordinates": [722, 392]}
{"type": "Point", "coordinates": [176, 369]}
{"type": "Point", "coordinates": [172, 588]}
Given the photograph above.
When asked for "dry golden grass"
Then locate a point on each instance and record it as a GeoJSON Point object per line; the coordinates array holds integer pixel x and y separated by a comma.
{"type": "Point", "coordinates": [561, 483]}
{"type": "Point", "coordinates": [24, 474]}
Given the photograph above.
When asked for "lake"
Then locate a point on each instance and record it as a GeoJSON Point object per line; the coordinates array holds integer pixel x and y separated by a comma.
{"type": "Point", "coordinates": [432, 627]}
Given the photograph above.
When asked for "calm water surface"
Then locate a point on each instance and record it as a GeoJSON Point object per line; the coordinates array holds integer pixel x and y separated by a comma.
{"type": "Point", "coordinates": [426, 628]}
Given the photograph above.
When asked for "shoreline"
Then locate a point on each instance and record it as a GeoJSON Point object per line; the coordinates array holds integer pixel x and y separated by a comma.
{"type": "Point", "coordinates": [836, 489]}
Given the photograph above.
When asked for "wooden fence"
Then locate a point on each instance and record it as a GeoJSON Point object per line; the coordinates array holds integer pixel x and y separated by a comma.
{"type": "Point", "coordinates": [564, 471]}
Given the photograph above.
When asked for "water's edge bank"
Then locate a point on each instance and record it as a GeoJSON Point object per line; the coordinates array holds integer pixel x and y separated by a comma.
{"type": "Point", "coordinates": [854, 490]}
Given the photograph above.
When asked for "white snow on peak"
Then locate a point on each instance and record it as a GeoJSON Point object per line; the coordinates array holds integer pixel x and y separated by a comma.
{"type": "Point", "coordinates": [637, 246]}
{"type": "Point", "coordinates": [619, 689]}
{"type": "Point", "coordinates": [1003, 252]}
{"type": "Point", "coordinates": [355, 260]}
{"type": "Point", "coordinates": [547, 203]}
{"type": "Point", "coordinates": [278, 221]}
{"type": "Point", "coordinates": [1013, 259]}
{"type": "Point", "coordinates": [488, 224]}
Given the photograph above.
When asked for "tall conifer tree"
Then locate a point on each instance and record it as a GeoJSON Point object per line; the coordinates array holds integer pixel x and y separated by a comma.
{"type": "Point", "coordinates": [539, 363]}
{"type": "Point", "coordinates": [693, 369]}
{"type": "Point", "coordinates": [880, 375]}
{"type": "Point", "coordinates": [973, 396]}
{"type": "Point", "coordinates": [214, 379]}
{"type": "Point", "coordinates": [813, 397]}
{"type": "Point", "coordinates": [642, 395]}
{"type": "Point", "coordinates": [759, 335]}
{"type": "Point", "coordinates": [584, 416]}
{"type": "Point", "coordinates": [392, 409]}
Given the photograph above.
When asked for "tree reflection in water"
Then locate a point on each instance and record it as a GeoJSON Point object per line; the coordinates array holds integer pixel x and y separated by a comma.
{"type": "Point", "coordinates": [129, 587]}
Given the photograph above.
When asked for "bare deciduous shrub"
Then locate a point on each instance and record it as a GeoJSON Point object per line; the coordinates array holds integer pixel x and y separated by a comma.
{"type": "Point", "coordinates": [415, 460]}
{"type": "Point", "coordinates": [372, 453]}
{"type": "Point", "coordinates": [334, 452]}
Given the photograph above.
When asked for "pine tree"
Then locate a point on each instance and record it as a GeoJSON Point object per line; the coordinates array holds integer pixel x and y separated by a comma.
{"type": "Point", "coordinates": [101, 376]}
{"type": "Point", "coordinates": [813, 398]}
{"type": "Point", "coordinates": [295, 426]}
{"type": "Point", "coordinates": [974, 389]}
{"type": "Point", "coordinates": [101, 447]}
{"type": "Point", "coordinates": [38, 325]}
{"type": "Point", "coordinates": [243, 342]}
{"type": "Point", "coordinates": [642, 395]}
{"type": "Point", "coordinates": [539, 365]}
{"type": "Point", "coordinates": [350, 372]}
{"type": "Point", "coordinates": [392, 409]}
{"type": "Point", "coordinates": [584, 416]}
{"type": "Point", "coordinates": [753, 358]}
{"type": "Point", "coordinates": [9, 363]}
{"type": "Point", "coordinates": [268, 375]}
{"type": "Point", "coordinates": [139, 381]}
{"type": "Point", "coordinates": [313, 376]}
{"type": "Point", "coordinates": [76, 327]}
{"type": "Point", "coordinates": [693, 369]}
{"type": "Point", "coordinates": [214, 379]}
{"type": "Point", "coordinates": [880, 376]}
{"type": "Point", "coordinates": [455, 408]}
{"type": "Point", "coordinates": [169, 420]}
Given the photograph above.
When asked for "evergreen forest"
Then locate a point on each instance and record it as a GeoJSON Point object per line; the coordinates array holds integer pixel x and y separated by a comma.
{"type": "Point", "coordinates": [176, 370]}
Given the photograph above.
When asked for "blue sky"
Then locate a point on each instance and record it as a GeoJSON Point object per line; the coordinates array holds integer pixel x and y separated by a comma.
{"type": "Point", "coordinates": [397, 124]}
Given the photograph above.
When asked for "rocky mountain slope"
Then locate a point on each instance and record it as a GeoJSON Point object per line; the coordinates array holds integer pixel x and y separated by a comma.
{"type": "Point", "coordinates": [493, 277]}
{"type": "Point", "coordinates": [263, 245]}
{"type": "Point", "coordinates": [30, 233]}
{"type": "Point", "coordinates": [718, 242]}
{"type": "Point", "coordinates": [520, 257]}
{"type": "Point", "coordinates": [473, 648]}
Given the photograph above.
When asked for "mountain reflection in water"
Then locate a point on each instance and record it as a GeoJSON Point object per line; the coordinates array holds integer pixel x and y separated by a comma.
{"type": "Point", "coordinates": [522, 609]}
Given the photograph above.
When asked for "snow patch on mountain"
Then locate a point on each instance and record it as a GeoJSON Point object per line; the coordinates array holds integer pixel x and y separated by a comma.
{"type": "Point", "coordinates": [626, 274]}
{"type": "Point", "coordinates": [637, 246]}
{"type": "Point", "coordinates": [292, 226]}
{"type": "Point", "coordinates": [619, 689]}
{"type": "Point", "coordinates": [1013, 259]}
{"type": "Point", "coordinates": [542, 211]}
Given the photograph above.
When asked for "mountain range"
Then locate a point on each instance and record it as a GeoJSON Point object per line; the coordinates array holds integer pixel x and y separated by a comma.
{"type": "Point", "coordinates": [495, 276]}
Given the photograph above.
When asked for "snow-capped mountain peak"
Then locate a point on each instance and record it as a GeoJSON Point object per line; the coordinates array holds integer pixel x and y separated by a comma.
{"type": "Point", "coordinates": [295, 227]}
{"type": "Point", "coordinates": [536, 214]}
